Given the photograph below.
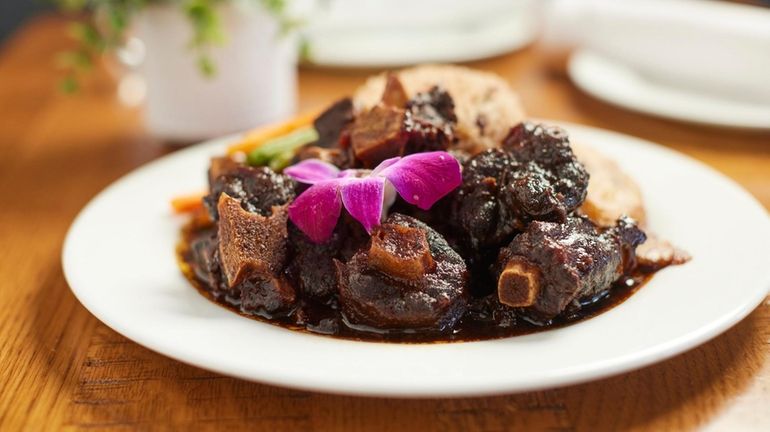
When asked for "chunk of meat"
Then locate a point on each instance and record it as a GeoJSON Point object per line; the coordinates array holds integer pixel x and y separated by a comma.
{"type": "Point", "coordinates": [204, 249]}
{"type": "Point", "coordinates": [549, 182]}
{"type": "Point", "coordinates": [257, 189]}
{"type": "Point", "coordinates": [430, 121]}
{"type": "Point", "coordinates": [378, 134]}
{"type": "Point", "coordinates": [534, 176]}
{"type": "Point", "coordinates": [425, 123]}
{"type": "Point", "coordinates": [220, 166]}
{"type": "Point", "coordinates": [313, 266]}
{"type": "Point", "coordinates": [331, 124]}
{"type": "Point", "coordinates": [253, 251]}
{"type": "Point", "coordinates": [434, 106]}
{"type": "Point", "coordinates": [552, 267]}
{"type": "Point", "coordinates": [394, 94]}
{"type": "Point", "coordinates": [485, 104]}
{"type": "Point", "coordinates": [426, 294]}
{"type": "Point", "coordinates": [476, 208]}
{"type": "Point", "coordinates": [267, 296]}
{"type": "Point", "coordinates": [250, 243]}
{"type": "Point", "coordinates": [401, 251]}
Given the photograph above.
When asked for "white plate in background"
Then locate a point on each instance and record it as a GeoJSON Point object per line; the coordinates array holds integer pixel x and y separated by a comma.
{"type": "Point", "coordinates": [615, 83]}
{"type": "Point", "coordinates": [119, 261]}
{"type": "Point", "coordinates": [375, 33]}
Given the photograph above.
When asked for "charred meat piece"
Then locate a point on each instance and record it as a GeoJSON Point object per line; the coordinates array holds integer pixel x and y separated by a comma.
{"type": "Point", "coordinates": [394, 94]}
{"type": "Point", "coordinates": [407, 278]}
{"type": "Point", "coordinates": [312, 266]}
{"type": "Point", "coordinates": [426, 123]}
{"type": "Point", "coordinates": [220, 166]}
{"type": "Point", "coordinates": [476, 209]}
{"type": "Point", "coordinates": [252, 252]}
{"type": "Point", "coordinates": [549, 182]}
{"type": "Point", "coordinates": [258, 189]}
{"type": "Point", "coordinates": [551, 267]}
{"type": "Point", "coordinates": [534, 176]}
{"type": "Point", "coordinates": [430, 121]}
{"type": "Point", "coordinates": [204, 250]}
{"type": "Point", "coordinates": [249, 242]}
{"type": "Point", "coordinates": [333, 144]}
{"type": "Point", "coordinates": [244, 258]}
{"type": "Point", "coordinates": [332, 122]}
{"type": "Point", "coordinates": [378, 134]}
{"type": "Point", "coordinates": [401, 251]}
{"type": "Point", "coordinates": [267, 296]}
{"type": "Point", "coordinates": [434, 106]}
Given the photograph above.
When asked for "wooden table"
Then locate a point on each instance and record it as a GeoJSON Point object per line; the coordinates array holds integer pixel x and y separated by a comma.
{"type": "Point", "coordinates": [61, 368]}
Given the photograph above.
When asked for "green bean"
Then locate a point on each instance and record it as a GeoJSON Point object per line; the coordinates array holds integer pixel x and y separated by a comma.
{"type": "Point", "coordinates": [281, 148]}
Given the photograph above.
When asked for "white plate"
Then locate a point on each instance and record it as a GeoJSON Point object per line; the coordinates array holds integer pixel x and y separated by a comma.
{"type": "Point", "coordinates": [352, 33]}
{"type": "Point", "coordinates": [617, 84]}
{"type": "Point", "coordinates": [119, 260]}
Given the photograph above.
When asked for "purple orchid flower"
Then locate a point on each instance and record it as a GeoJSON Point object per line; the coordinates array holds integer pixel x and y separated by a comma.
{"type": "Point", "coordinates": [421, 179]}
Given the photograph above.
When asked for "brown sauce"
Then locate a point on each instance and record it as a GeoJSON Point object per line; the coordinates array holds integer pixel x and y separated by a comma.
{"type": "Point", "coordinates": [327, 320]}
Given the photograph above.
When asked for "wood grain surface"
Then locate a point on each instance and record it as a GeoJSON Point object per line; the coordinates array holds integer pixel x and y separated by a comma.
{"type": "Point", "coordinates": [60, 368]}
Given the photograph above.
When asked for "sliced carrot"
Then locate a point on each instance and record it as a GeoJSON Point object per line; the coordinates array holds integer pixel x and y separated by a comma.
{"type": "Point", "coordinates": [188, 203]}
{"type": "Point", "coordinates": [259, 136]}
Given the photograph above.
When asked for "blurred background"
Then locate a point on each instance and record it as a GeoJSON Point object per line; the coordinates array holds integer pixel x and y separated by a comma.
{"type": "Point", "coordinates": [696, 61]}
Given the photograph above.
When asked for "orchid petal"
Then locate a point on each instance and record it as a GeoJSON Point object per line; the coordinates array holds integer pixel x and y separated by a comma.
{"type": "Point", "coordinates": [363, 198]}
{"type": "Point", "coordinates": [312, 171]}
{"type": "Point", "coordinates": [423, 178]}
{"type": "Point", "coordinates": [316, 211]}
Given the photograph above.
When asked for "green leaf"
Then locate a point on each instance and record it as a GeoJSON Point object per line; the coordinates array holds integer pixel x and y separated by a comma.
{"type": "Point", "coordinates": [206, 66]}
{"type": "Point", "coordinates": [77, 60]}
{"type": "Point", "coordinates": [205, 21]}
{"type": "Point", "coordinates": [87, 35]}
{"type": "Point", "coordinates": [69, 85]}
{"type": "Point", "coordinates": [276, 7]}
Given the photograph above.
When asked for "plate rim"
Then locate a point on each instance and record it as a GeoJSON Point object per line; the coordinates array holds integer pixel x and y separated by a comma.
{"type": "Point", "coordinates": [578, 60]}
{"type": "Point", "coordinates": [591, 371]}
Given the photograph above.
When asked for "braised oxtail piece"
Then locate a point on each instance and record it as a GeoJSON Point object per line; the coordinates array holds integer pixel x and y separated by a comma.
{"type": "Point", "coordinates": [554, 267]}
{"type": "Point", "coordinates": [253, 251]}
{"type": "Point", "coordinates": [333, 144]}
{"type": "Point", "coordinates": [313, 264]}
{"type": "Point", "coordinates": [425, 123]}
{"type": "Point", "coordinates": [245, 259]}
{"type": "Point", "coordinates": [205, 263]}
{"type": "Point", "coordinates": [407, 277]}
{"type": "Point", "coordinates": [429, 122]}
{"type": "Point", "coordinates": [257, 189]}
{"type": "Point", "coordinates": [331, 124]}
{"type": "Point", "coordinates": [476, 208]}
{"type": "Point", "coordinates": [534, 176]}
{"type": "Point", "coordinates": [549, 182]}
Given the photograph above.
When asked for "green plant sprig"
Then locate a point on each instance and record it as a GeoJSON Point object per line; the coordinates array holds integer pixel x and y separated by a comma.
{"type": "Point", "coordinates": [104, 30]}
